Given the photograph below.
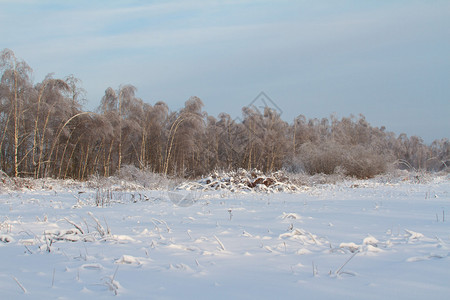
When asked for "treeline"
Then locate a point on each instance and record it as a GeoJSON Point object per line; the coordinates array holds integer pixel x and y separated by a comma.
{"type": "Point", "coordinates": [44, 132]}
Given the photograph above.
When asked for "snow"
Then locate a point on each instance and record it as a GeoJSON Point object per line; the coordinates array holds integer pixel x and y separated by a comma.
{"type": "Point", "coordinates": [356, 239]}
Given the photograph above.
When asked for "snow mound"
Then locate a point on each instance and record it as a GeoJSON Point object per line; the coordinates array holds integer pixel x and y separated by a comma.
{"type": "Point", "coordinates": [303, 236]}
{"type": "Point", "coordinates": [371, 241]}
{"type": "Point", "coordinates": [352, 247]}
{"type": "Point", "coordinates": [244, 181]}
{"type": "Point", "coordinates": [412, 235]}
{"type": "Point", "coordinates": [128, 259]}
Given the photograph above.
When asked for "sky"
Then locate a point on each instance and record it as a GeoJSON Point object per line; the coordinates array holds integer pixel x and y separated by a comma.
{"type": "Point", "coordinates": [386, 59]}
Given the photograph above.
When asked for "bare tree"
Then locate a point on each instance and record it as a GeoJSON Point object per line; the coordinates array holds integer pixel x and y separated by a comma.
{"type": "Point", "coordinates": [50, 106]}
{"type": "Point", "coordinates": [187, 127]}
{"type": "Point", "coordinates": [16, 83]}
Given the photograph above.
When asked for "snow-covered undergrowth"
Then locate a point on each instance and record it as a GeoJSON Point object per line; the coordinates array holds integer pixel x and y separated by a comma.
{"type": "Point", "coordinates": [244, 181]}
{"type": "Point", "coordinates": [370, 239]}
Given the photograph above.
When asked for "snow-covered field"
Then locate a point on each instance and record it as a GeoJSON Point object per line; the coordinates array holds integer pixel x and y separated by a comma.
{"type": "Point", "coordinates": [355, 239]}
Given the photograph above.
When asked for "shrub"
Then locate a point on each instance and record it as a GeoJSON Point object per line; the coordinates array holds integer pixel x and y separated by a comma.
{"type": "Point", "coordinates": [351, 160]}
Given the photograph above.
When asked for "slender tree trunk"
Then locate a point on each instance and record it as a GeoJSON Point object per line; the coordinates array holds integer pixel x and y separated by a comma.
{"type": "Point", "coordinates": [172, 133]}
{"type": "Point", "coordinates": [142, 156]}
{"type": "Point", "coordinates": [97, 157]}
{"type": "Point", "coordinates": [293, 139]}
{"type": "Point", "coordinates": [3, 139]}
{"type": "Point", "coordinates": [70, 158]}
{"type": "Point", "coordinates": [36, 126]}
{"type": "Point", "coordinates": [85, 162]}
{"type": "Point", "coordinates": [16, 126]}
{"type": "Point", "coordinates": [249, 166]}
{"type": "Point", "coordinates": [41, 145]}
{"type": "Point", "coordinates": [80, 167]}
{"type": "Point", "coordinates": [120, 133]}
{"type": "Point", "coordinates": [108, 160]}
{"type": "Point", "coordinates": [63, 154]}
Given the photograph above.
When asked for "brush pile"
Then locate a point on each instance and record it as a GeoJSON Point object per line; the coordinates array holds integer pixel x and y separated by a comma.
{"type": "Point", "coordinates": [242, 181]}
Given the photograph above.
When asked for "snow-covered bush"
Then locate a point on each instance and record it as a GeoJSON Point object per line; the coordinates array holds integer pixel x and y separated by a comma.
{"type": "Point", "coordinates": [243, 180]}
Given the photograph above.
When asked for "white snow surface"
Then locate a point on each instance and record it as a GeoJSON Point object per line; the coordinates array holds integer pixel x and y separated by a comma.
{"type": "Point", "coordinates": [371, 239]}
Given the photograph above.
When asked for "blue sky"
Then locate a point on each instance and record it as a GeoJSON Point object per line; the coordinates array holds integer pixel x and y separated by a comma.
{"type": "Point", "coordinates": [389, 60]}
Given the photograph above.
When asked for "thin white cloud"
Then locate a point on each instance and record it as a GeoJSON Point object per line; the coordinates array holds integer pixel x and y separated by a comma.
{"type": "Point", "coordinates": [81, 32]}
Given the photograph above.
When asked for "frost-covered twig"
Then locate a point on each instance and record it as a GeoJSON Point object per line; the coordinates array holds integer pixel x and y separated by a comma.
{"type": "Point", "coordinates": [47, 242]}
{"type": "Point", "coordinates": [87, 225]}
{"type": "Point", "coordinates": [220, 243]}
{"type": "Point", "coordinates": [312, 237]}
{"type": "Point", "coordinates": [100, 228]}
{"type": "Point", "coordinates": [314, 269]}
{"type": "Point", "coordinates": [108, 230]}
{"type": "Point", "coordinates": [53, 278]}
{"type": "Point", "coordinates": [115, 272]}
{"type": "Point", "coordinates": [157, 228]}
{"type": "Point", "coordinates": [79, 201]}
{"type": "Point", "coordinates": [338, 272]}
{"type": "Point", "coordinates": [74, 225]}
{"type": "Point", "coordinates": [28, 249]}
{"type": "Point", "coordinates": [161, 222]}
{"type": "Point", "coordinates": [112, 284]}
{"type": "Point", "coordinates": [167, 226]}
{"type": "Point", "coordinates": [20, 285]}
